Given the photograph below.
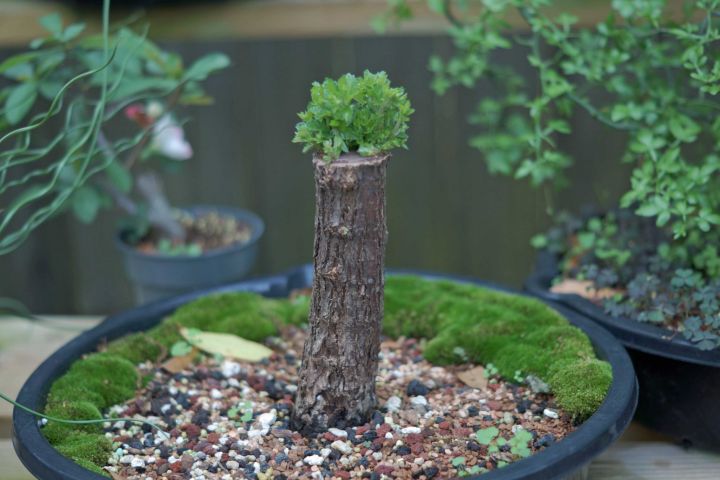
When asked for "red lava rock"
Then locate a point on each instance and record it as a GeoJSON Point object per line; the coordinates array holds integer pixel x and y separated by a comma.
{"type": "Point", "coordinates": [383, 429]}
{"type": "Point", "coordinates": [362, 429]}
{"type": "Point", "coordinates": [176, 467]}
{"type": "Point", "coordinates": [384, 469]}
{"type": "Point", "coordinates": [414, 438]}
{"type": "Point", "coordinates": [342, 474]}
{"type": "Point", "coordinates": [174, 433]}
{"type": "Point", "coordinates": [378, 442]}
{"type": "Point", "coordinates": [225, 457]}
{"type": "Point", "coordinates": [193, 431]}
{"type": "Point", "coordinates": [329, 437]}
{"type": "Point", "coordinates": [494, 405]}
{"type": "Point", "coordinates": [461, 432]}
{"type": "Point", "coordinates": [444, 425]}
{"type": "Point", "coordinates": [213, 437]}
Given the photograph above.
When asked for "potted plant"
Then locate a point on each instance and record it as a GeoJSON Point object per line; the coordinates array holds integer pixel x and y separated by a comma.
{"type": "Point", "coordinates": [108, 158]}
{"type": "Point", "coordinates": [648, 272]}
{"type": "Point", "coordinates": [353, 393]}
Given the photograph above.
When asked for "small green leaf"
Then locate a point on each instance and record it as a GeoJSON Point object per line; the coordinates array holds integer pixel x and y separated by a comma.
{"type": "Point", "coordinates": [85, 203]}
{"type": "Point", "coordinates": [52, 23]}
{"type": "Point", "coordinates": [119, 176]}
{"type": "Point", "coordinates": [19, 102]}
{"type": "Point", "coordinates": [207, 65]}
{"type": "Point", "coordinates": [72, 31]}
{"type": "Point", "coordinates": [486, 435]}
{"type": "Point", "coordinates": [457, 461]}
{"type": "Point", "coordinates": [180, 349]}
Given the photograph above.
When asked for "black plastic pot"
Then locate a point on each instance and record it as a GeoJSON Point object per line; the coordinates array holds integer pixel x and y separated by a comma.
{"type": "Point", "coordinates": [556, 461]}
{"type": "Point", "coordinates": [158, 276]}
{"type": "Point", "coordinates": [679, 383]}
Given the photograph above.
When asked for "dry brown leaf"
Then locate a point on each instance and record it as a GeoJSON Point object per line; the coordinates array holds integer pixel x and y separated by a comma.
{"type": "Point", "coordinates": [226, 345]}
{"type": "Point", "coordinates": [178, 364]}
{"type": "Point", "coordinates": [475, 378]}
{"type": "Point", "coordinates": [584, 288]}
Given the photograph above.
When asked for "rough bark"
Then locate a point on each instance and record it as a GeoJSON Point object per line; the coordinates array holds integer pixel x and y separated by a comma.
{"type": "Point", "coordinates": [339, 365]}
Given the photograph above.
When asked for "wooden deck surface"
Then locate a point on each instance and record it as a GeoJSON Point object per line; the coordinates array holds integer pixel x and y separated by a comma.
{"type": "Point", "coordinates": [640, 454]}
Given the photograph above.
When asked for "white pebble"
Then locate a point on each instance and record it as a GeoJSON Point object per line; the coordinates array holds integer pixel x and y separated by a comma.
{"type": "Point", "coordinates": [393, 404]}
{"type": "Point", "coordinates": [216, 394]}
{"type": "Point", "coordinates": [230, 369]}
{"type": "Point", "coordinates": [137, 463]}
{"type": "Point", "coordinates": [419, 401]}
{"type": "Point", "coordinates": [325, 452]}
{"type": "Point", "coordinates": [409, 430]}
{"type": "Point", "coordinates": [550, 413]}
{"type": "Point", "coordinates": [377, 455]}
{"type": "Point", "coordinates": [126, 460]}
{"type": "Point", "coordinates": [314, 460]}
{"type": "Point", "coordinates": [268, 418]}
{"type": "Point", "coordinates": [388, 436]}
{"type": "Point", "coordinates": [232, 465]}
{"type": "Point", "coordinates": [338, 433]}
{"type": "Point", "coordinates": [342, 447]}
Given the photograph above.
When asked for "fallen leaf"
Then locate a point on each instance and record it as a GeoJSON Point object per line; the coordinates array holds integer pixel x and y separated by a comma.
{"type": "Point", "coordinates": [584, 288]}
{"type": "Point", "coordinates": [475, 377]}
{"type": "Point", "coordinates": [178, 364]}
{"type": "Point", "coordinates": [227, 345]}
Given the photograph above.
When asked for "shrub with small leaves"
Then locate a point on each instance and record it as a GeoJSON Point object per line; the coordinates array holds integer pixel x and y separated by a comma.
{"type": "Point", "coordinates": [354, 114]}
{"type": "Point", "coordinates": [658, 281]}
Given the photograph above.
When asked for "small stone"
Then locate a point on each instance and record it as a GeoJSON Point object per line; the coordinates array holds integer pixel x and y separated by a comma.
{"type": "Point", "coordinates": [127, 459]}
{"type": "Point", "coordinates": [416, 388]}
{"type": "Point", "coordinates": [268, 418]}
{"type": "Point", "coordinates": [409, 430]}
{"type": "Point", "coordinates": [342, 447]}
{"type": "Point", "coordinates": [216, 394]}
{"type": "Point", "coordinates": [338, 433]}
{"type": "Point", "coordinates": [232, 465]}
{"type": "Point", "coordinates": [230, 369]}
{"type": "Point", "coordinates": [550, 413]}
{"type": "Point", "coordinates": [314, 460]}
{"type": "Point", "coordinates": [137, 463]}
{"type": "Point", "coordinates": [431, 472]}
{"type": "Point", "coordinates": [393, 404]}
{"type": "Point", "coordinates": [419, 401]}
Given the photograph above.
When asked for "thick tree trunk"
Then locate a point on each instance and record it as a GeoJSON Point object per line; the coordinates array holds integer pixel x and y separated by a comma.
{"type": "Point", "coordinates": [339, 365]}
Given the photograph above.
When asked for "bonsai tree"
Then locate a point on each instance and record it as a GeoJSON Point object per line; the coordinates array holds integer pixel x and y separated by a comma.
{"type": "Point", "coordinates": [646, 70]}
{"type": "Point", "coordinates": [62, 145]}
{"type": "Point", "coordinates": [350, 125]}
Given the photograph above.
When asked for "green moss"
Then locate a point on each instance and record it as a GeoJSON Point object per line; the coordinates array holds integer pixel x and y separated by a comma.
{"type": "Point", "coordinates": [581, 386]}
{"type": "Point", "coordinates": [56, 432]}
{"type": "Point", "coordinates": [468, 323]}
{"type": "Point", "coordinates": [91, 466]}
{"type": "Point", "coordinates": [95, 449]}
{"type": "Point", "coordinates": [245, 314]}
{"type": "Point", "coordinates": [135, 348]}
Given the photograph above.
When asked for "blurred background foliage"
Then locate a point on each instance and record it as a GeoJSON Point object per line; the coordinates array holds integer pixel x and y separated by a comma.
{"type": "Point", "coordinates": [446, 212]}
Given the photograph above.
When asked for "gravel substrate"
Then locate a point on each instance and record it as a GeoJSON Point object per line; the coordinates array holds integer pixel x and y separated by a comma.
{"type": "Point", "coordinates": [229, 420]}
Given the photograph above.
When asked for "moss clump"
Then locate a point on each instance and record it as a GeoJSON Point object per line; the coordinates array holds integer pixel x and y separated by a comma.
{"type": "Point", "coordinates": [136, 348]}
{"type": "Point", "coordinates": [580, 386]}
{"type": "Point", "coordinates": [516, 334]}
{"type": "Point", "coordinates": [94, 449]}
{"type": "Point", "coordinates": [462, 322]}
{"type": "Point", "coordinates": [56, 432]}
{"type": "Point", "coordinates": [244, 314]}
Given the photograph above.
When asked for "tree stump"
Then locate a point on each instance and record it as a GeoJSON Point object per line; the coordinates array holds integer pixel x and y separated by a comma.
{"type": "Point", "coordinates": [339, 365]}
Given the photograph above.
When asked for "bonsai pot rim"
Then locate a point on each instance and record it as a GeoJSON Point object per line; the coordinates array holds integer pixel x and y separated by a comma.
{"type": "Point", "coordinates": [554, 462]}
{"type": "Point", "coordinates": [257, 228]}
{"type": "Point", "coordinates": [633, 334]}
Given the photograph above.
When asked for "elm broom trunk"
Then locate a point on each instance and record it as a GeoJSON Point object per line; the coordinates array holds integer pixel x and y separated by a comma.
{"type": "Point", "coordinates": [340, 359]}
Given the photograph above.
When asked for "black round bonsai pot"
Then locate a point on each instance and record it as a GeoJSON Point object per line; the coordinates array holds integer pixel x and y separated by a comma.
{"type": "Point", "coordinates": [555, 462]}
{"type": "Point", "coordinates": [156, 276]}
{"type": "Point", "coordinates": [679, 383]}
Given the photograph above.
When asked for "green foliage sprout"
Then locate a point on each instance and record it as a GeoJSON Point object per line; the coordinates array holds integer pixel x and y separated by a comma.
{"type": "Point", "coordinates": [354, 114]}
{"type": "Point", "coordinates": [645, 70]}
